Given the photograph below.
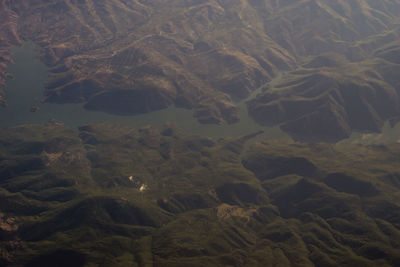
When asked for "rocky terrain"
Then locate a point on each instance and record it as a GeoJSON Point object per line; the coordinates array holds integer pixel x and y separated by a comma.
{"type": "Point", "coordinates": [116, 196]}
{"type": "Point", "coordinates": [111, 195]}
{"type": "Point", "coordinates": [340, 59]}
{"type": "Point", "coordinates": [145, 56]}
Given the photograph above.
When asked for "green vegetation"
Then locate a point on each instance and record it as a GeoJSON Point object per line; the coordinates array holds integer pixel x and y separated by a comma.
{"type": "Point", "coordinates": [111, 195]}
{"type": "Point", "coordinates": [78, 198]}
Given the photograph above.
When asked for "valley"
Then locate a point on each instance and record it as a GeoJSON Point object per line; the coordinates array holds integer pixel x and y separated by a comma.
{"type": "Point", "coordinates": [114, 195]}
{"type": "Point", "coordinates": [150, 55]}
{"type": "Point", "coordinates": [199, 133]}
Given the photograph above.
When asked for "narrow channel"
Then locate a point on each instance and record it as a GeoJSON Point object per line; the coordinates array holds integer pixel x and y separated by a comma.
{"type": "Point", "coordinates": [25, 91]}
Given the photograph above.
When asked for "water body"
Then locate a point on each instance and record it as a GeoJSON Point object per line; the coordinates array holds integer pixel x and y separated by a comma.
{"type": "Point", "coordinates": [26, 91]}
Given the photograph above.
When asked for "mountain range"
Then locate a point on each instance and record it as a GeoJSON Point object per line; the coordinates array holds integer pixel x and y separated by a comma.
{"type": "Point", "coordinates": [106, 194]}
{"type": "Point", "coordinates": [339, 59]}
{"type": "Point", "coordinates": [110, 195]}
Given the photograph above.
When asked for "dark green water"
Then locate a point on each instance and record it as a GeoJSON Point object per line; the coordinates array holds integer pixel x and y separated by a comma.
{"type": "Point", "coordinates": [27, 87]}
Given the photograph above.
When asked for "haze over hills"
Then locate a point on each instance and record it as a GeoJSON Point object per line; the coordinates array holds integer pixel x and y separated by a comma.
{"type": "Point", "coordinates": [201, 55]}
{"type": "Point", "coordinates": [107, 194]}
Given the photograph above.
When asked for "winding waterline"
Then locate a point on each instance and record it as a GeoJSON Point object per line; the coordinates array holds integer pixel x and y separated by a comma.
{"type": "Point", "coordinates": [26, 91]}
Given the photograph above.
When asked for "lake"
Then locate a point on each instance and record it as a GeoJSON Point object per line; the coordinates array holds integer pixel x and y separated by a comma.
{"type": "Point", "coordinates": [26, 91]}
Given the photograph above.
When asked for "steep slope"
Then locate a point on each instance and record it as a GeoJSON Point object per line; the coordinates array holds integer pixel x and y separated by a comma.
{"type": "Point", "coordinates": [8, 36]}
{"type": "Point", "coordinates": [324, 103]}
{"type": "Point", "coordinates": [147, 56]}
{"type": "Point", "coordinates": [130, 57]}
{"type": "Point", "coordinates": [120, 196]}
{"type": "Point", "coordinates": [342, 84]}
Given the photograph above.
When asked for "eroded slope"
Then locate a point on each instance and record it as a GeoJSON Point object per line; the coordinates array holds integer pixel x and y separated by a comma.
{"type": "Point", "coordinates": [130, 57]}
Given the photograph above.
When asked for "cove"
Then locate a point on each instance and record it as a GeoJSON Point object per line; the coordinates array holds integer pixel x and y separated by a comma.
{"type": "Point", "coordinates": [26, 90]}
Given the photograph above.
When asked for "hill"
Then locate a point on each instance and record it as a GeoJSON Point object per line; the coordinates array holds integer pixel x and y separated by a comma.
{"type": "Point", "coordinates": [119, 196]}
{"type": "Point", "coordinates": [130, 57]}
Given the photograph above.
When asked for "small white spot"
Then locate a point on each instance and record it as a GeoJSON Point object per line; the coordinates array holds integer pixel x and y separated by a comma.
{"type": "Point", "coordinates": [142, 188]}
